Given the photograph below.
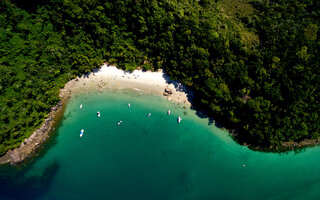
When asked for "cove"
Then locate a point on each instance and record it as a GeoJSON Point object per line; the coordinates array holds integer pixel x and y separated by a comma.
{"type": "Point", "coordinates": [154, 157]}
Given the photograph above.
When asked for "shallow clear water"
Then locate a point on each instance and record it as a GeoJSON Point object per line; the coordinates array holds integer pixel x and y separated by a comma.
{"type": "Point", "coordinates": [154, 158]}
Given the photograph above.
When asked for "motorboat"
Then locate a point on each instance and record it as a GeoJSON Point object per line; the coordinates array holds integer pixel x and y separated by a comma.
{"type": "Point", "coordinates": [120, 122]}
{"type": "Point", "coordinates": [179, 119]}
{"type": "Point", "coordinates": [98, 114]}
{"type": "Point", "coordinates": [80, 106]}
{"type": "Point", "coordinates": [149, 114]}
{"type": "Point", "coordinates": [81, 132]}
{"type": "Point", "coordinates": [169, 112]}
{"type": "Point", "coordinates": [129, 105]}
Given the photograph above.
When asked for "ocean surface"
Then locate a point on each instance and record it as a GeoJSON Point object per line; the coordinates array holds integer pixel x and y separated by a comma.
{"type": "Point", "coordinates": [154, 158]}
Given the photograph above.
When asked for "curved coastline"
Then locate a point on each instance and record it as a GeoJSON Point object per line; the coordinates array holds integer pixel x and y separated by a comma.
{"type": "Point", "coordinates": [110, 77]}
{"type": "Point", "coordinates": [106, 77]}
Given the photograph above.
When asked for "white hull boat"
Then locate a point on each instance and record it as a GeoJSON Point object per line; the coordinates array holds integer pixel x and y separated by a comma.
{"type": "Point", "coordinates": [81, 132]}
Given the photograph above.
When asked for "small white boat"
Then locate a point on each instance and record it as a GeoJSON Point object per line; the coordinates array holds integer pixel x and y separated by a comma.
{"type": "Point", "coordinates": [169, 112]}
{"type": "Point", "coordinates": [81, 132]}
{"type": "Point", "coordinates": [129, 105]}
{"type": "Point", "coordinates": [98, 114]}
{"type": "Point", "coordinates": [149, 114]}
{"type": "Point", "coordinates": [179, 119]}
{"type": "Point", "coordinates": [120, 122]}
{"type": "Point", "coordinates": [80, 106]}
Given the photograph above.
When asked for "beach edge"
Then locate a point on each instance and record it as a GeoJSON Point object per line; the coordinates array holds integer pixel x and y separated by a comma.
{"type": "Point", "coordinates": [101, 78]}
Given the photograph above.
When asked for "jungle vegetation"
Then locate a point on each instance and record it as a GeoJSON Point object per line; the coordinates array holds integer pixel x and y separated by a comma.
{"type": "Point", "coordinates": [252, 64]}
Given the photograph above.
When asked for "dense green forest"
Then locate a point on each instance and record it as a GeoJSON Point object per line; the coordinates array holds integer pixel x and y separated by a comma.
{"type": "Point", "coordinates": [252, 64]}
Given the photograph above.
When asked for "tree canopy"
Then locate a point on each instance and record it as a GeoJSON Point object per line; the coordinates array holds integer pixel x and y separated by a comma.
{"type": "Point", "coordinates": [252, 64]}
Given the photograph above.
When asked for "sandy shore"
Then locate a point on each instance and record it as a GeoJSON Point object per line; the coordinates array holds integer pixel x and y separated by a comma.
{"type": "Point", "coordinates": [107, 77]}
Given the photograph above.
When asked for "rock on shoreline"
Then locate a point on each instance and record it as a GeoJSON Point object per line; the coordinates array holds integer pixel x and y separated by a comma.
{"type": "Point", "coordinates": [105, 77]}
{"type": "Point", "coordinates": [32, 144]}
{"type": "Point", "coordinates": [113, 78]}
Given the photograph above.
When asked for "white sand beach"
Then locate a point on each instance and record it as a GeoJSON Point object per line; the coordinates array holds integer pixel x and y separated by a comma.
{"type": "Point", "coordinates": [107, 77]}
{"type": "Point", "coordinates": [110, 77]}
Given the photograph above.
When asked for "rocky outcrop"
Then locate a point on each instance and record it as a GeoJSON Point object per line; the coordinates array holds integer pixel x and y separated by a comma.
{"type": "Point", "coordinates": [32, 144]}
{"type": "Point", "coordinates": [106, 79]}
{"type": "Point", "coordinates": [167, 92]}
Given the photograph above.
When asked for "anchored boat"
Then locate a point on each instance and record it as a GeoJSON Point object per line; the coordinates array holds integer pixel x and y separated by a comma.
{"type": "Point", "coordinates": [81, 132]}
{"type": "Point", "coordinates": [179, 119]}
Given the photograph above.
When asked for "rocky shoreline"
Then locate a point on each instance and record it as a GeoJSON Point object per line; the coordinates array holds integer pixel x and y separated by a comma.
{"type": "Point", "coordinates": [171, 90]}
{"type": "Point", "coordinates": [285, 146]}
{"type": "Point", "coordinates": [30, 145]}
{"type": "Point", "coordinates": [103, 78]}
{"type": "Point", "coordinates": [288, 146]}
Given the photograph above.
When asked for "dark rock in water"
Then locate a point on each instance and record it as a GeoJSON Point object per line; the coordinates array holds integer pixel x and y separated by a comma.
{"type": "Point", "coordinates": [167, 92]}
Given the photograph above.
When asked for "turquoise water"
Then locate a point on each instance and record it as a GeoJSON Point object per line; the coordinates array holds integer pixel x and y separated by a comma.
{"type": "Point", "coordinates": [154, 158]}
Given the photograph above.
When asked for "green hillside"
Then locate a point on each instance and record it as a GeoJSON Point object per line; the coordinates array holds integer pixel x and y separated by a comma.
{"type": "Point", "coordinates": [253, 65]}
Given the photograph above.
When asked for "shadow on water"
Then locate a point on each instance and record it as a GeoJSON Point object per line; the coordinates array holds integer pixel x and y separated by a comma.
{"type": "Point", "coordinates": [14, 184]}
{"type": "Point", "coordinates": [50, 142]}
{"type": "Point", "coordinates": [203, 114]}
